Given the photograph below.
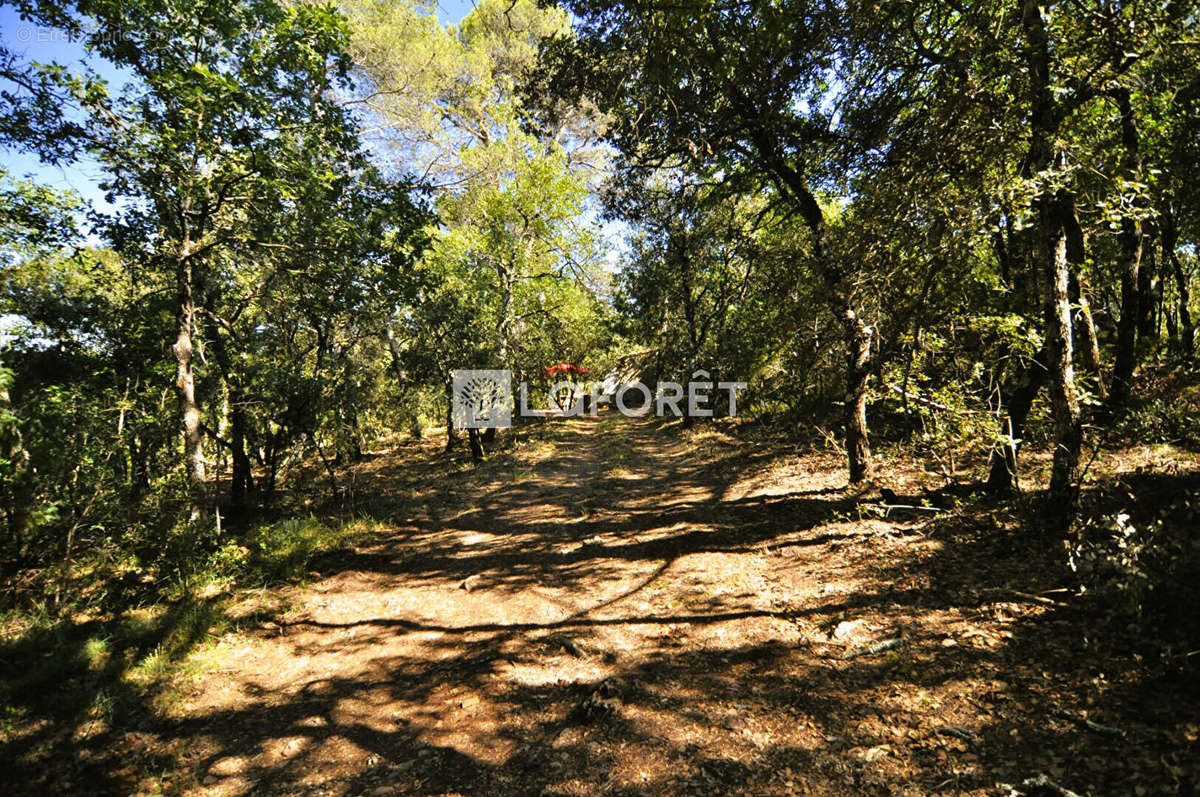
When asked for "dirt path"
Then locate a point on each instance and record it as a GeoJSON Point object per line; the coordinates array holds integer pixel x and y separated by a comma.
{"type": "Point", "coordinates": [618, 609]}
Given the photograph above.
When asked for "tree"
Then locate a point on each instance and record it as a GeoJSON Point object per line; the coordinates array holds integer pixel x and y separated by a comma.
{"type": "Point", "coordinates": [699, 278]}
{"type": "Point", "coordinates": [210, 142]}
{"type": "Point", "coordinates": [678, 95]}
{"type": "Point", "coordinates": [513, 255]}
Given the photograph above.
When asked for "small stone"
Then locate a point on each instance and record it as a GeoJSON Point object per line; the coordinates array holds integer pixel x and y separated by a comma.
{"type": "Point", "coordinates": [875, 753]}
{"type": "Point", "coordinates": [734, 723]}
{"type": "Point", "coordinates": [848, 629]}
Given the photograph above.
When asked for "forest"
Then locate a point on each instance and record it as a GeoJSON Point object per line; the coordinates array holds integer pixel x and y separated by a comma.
{"type": "Point", "coordinates": [933, 526]}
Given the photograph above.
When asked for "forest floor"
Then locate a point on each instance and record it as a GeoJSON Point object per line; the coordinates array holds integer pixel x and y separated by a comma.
{"type": "Point", "coordinates": [615, 606]}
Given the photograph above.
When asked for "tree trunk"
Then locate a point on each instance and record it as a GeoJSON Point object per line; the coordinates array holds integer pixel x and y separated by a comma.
{"type": "Point", "coordinates": [504, 330]}
{"type": "Point", "coordinates": [241, 480]}
{"type": "Point", "coordinates": [1170, 238]}
{"type": "Point", "coordinates": [394, 350]}
{"type": "Point", "coordinates": [1020, 387]}
{"type": "Point", "coordinates": [1068, 425]}
{"type": "Point", "coordinates": [793, 184]}
{"type": "Point", "coordinates": [1054, 216]}
{"type": "Point", "coordinates": [854, 420]}
{"type": "Point", "coordinates": [1150, 291]}
{"type": "Point", "coordinates": [1085, 334]}
{"type": "Point", "coordinates": [185, 383]}
{"type": "Point", "coordinates": [407, 393]}
{"type": "Point", "coordinates": [139, 463]}
{"type": "Point", "coordinates": [505, 333]}
{"type": "Point", "coordinates": [1086, 343]}
{"type": "Point", "coordinates": [1126, 355]}
{"type": "Point", "coordinates": [1131, 241]}
{"type": "Point", "coordinates": [242, 477]}
{"type": "Point", "coordinates": [1017, 398]}
{"type": "Point", "coordinates": [20, 477]}
{"type": "Point", "coordinates": [678, 252]}
{"type": "Point", "coordinates": [478, 454]}
{"type": "Point", "coordinates": [450, 437]}
{"type": "Point", "coordinates": [688, 421]}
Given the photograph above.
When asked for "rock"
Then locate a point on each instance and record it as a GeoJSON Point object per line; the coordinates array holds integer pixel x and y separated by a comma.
{"type": "Point", "coordinates": [735, 723]}
{"type": "Point", "coordinates": [225, 767]}
{"type": "Point", "coordinates": [876, 753]}
{"type": "Point", "coordinates": [966, 734]}
{"type": "Point", "coordinates": [849, 629]}
{"type": "Point", "coordinates": [1039, 786]}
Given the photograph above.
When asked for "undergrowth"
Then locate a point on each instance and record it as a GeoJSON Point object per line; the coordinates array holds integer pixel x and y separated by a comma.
{"type": "Point", "coordinates": [75, 671]}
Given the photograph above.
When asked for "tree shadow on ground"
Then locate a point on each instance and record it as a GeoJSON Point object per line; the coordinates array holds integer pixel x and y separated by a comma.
{"type": "Point", "coordinates": [72, 693]}
{"type": "Point", "coordinates": [848, 654]}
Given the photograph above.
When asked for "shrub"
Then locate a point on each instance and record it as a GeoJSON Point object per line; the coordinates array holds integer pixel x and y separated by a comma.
{"type": "Point", "coordinates": [1149, 571]}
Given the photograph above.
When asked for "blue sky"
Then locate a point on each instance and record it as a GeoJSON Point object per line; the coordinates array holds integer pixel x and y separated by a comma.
{"type": "Point", "coordinates": [32, 42]}
{"type": "Point", "coordinates": [45, 45]}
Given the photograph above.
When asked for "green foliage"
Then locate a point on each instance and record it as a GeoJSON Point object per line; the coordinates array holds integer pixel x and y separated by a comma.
{"type": "Point", "coordinates": [701, 281]}
{"type": "Point", "coordinates": [85, 429]}
{"type": "Point", "coordinates": [281, 551]}
{"type": "Point", "coordinates": [316, 211]}
{"type": "Point", "coordinates": [512, 274]}
{"type": "Point", "coordinates": [1163, 417]}
{"type": "Point", "coordinates": [34, 219]}
{"type": "Point", "coordinates": [239, 183]}
{"type": "Point", "coordinates": [271, 553]}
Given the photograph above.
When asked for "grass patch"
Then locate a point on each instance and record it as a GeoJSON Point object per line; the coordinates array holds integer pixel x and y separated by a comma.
{"type": "Point", "coordinates": [272, 553]}
{"type": "Point", "coordinates": [281, 551]}
{"type": "Point", "coordinates": [68, 682]}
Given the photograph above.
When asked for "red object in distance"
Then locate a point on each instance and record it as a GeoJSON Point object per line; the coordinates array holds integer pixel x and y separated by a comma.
{"type": "Point", "coordinates": [566, 368]}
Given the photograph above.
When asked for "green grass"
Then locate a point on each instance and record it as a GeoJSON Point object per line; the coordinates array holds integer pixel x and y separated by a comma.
{"type": "Point", "coordinates": [68, 679]}
{"type": "Point", "coordinates": [281, 551]}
